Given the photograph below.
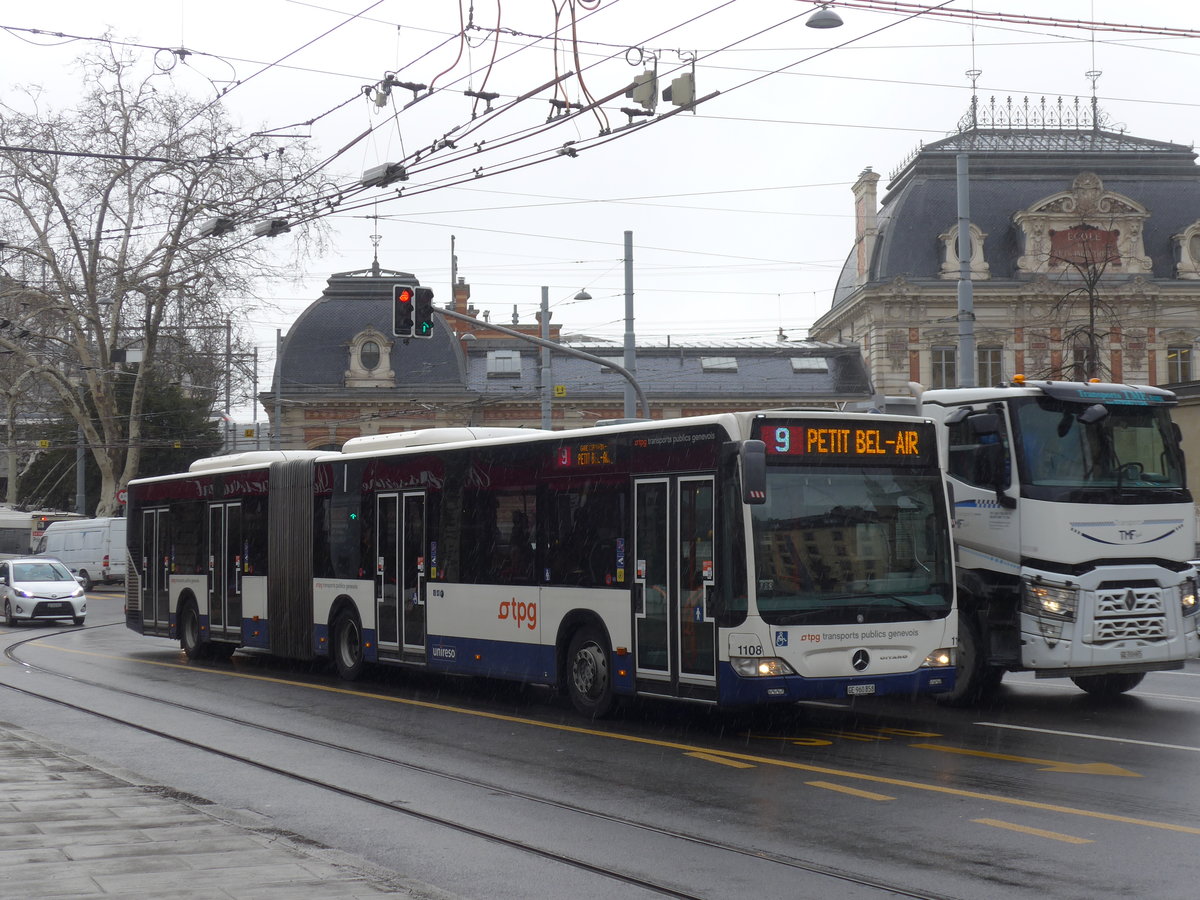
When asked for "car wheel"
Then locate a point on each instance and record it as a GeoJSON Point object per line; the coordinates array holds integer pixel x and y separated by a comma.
{"type": "Point", "coordinates": [78, 620]}
{"type": "Point", "coordinates": [348, 646]}
{"type": "Point", "coordinates": [589, 675]}
{"type": "Point", "coordinates": [9, 619]}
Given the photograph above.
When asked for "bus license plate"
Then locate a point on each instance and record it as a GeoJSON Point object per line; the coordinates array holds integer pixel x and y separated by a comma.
{"type": "Point", "coordinates": [854, 689]}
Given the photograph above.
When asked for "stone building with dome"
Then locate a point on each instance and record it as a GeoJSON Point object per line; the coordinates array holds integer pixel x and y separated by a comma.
{"type": "Point", "coordinates": [341, 374]}
{"type": "Point", "coordinates": [1085, 256]}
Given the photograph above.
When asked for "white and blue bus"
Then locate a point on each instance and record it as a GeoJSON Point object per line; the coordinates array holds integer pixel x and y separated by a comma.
{"type": "Point", "coordinates": [732, 559]}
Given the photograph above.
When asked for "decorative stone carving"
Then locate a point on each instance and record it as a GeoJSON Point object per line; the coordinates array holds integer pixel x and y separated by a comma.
{"type": "Point", "coordinates": [950, 267]}
{"type": "Point", "coordinates": [370, 351]}
{"type": "Point", "coordinates": [1187, 253]}
{"type": "Point", "coordinates": [1086, 227]}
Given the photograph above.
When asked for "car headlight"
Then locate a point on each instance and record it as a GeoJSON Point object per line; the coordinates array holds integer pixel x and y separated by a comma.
{"type": "Point", "coordinates": [1051, 602]}
{"type": "Point", "coordinates": [940, 658]}
{"type": "Point", "coordinates": [28, 595]}
{"type": "Point", "coordinates": [760, 666]}
{"type": "Point", "coordinates": [1187, 598]}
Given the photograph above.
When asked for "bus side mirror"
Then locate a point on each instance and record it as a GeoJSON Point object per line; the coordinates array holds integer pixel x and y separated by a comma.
{"type": "Point", "coordinates": [753, 457]}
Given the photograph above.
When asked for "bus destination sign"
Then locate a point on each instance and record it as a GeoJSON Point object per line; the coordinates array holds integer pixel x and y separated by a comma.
{"type": "Point", "coordinates": [843, 442]}
{"type": "Point", "coordinates": [585, 455]}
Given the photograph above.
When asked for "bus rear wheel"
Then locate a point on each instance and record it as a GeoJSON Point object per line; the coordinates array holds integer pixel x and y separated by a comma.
{"type": "Point", "coordinates": [348, 646]}
{"type": "Point", "coordinates": [189, 632]}
{"type": "Point", "coordinates": [1111, 685]}
{"type": "Point", "coordinates": [589, 676]}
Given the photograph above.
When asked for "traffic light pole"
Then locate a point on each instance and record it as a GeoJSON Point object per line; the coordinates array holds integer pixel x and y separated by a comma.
{"type": "Point", "coordinates": [569, 351]}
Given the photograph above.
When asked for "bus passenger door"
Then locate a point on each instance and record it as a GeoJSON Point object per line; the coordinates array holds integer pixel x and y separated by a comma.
{"type": "Point", "coordinates": [673, 576]}
{"type": "Point", "coordinates": [413, 572]}
{"type": "Point", "coordinates": [387, 549]}
{"type": "Point", "coordinates": [156, 570]}
{"type": "Point", "coordinates": [225, 570]}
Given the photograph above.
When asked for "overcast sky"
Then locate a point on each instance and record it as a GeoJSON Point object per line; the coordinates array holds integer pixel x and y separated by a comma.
{"type": "Point", "coordinates": [741, 212]}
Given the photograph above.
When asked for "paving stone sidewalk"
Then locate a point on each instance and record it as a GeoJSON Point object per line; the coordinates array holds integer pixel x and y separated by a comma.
{"type": "Point", "coordinates": [73, 827]}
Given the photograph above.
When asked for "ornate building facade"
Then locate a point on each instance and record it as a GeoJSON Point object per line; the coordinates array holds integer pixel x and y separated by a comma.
{"type": "Point", "coordinates": [1085, 257]}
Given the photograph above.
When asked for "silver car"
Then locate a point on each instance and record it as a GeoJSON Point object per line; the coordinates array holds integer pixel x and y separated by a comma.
{"type": "Point", "coordinates": [40, 588]}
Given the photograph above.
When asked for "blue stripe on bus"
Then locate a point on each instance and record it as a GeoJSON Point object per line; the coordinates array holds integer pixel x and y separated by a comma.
{"type": "Point", "coordinates": [733, 690]}
{"type": "Point", "coordinates": [493, 659]}
{"type": "Point", "coordinates": [263, 637]}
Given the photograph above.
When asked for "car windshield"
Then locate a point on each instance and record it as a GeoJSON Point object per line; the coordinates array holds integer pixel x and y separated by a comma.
{"type": "Point", "coordinates": [41, 571]}
{"type": "Point", "coordinates": [839, 546]}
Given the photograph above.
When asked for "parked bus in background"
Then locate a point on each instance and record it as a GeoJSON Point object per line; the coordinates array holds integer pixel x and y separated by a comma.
{"type": "Point", "coordinates": [93, 549]}
{"type": "Point", "coordinates": [732, 559]}
{"type": "Point", "coordinates": [1073, 528]}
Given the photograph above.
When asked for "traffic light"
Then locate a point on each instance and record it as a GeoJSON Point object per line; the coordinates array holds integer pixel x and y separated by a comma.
{"type": "Point", "coordinates": [644, 90]}
{"type": "Point", "coordinates": [402, 309]}
{"type": "Point", "coordinates": [423, 313]}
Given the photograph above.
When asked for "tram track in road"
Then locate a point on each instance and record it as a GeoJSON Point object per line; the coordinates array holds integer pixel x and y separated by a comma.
{"type": "Point", "coordinates": [628, 878]}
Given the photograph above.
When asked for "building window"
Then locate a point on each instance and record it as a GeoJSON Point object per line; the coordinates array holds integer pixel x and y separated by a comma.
{"type": "Point", "coordinates": [990, 362]}
{"type": "Point", "coordinates": [809, 364]}
{"type": "Point", "coordinates": [368, 355]}
{"type": "Point", "coordinates": [718, 364]}
{"type": "Point", "coordinates": [504, 364]}
{"type": "Point", "coordinates": [945, 369]}
{"type": "Point", "coordinates": [1179, 363]}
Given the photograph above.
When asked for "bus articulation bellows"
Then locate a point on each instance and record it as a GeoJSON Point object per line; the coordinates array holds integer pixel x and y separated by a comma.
{"type": "Point", "coordinates": [731, 559]}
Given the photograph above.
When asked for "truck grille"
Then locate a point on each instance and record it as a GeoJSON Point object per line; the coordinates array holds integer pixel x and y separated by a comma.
{"type": "Point", "coordinates": [1130, 612]}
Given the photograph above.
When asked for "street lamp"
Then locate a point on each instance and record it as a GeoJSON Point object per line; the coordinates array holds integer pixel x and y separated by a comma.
{"type": "Point", "coordinates": [824, 18]}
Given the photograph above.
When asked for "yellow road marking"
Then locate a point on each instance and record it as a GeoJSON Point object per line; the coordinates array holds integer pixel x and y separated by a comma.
{"type": "Point", "coordinates": [712, 757]}
{"type": "Point", "coordinates": [1036, 832]}
{"type": "Point", "coordinates": [854, 792]}
{"type": "Point", "coordinates": [1047, 765]}
{"type": "Point", "coordinates": [672, 745]}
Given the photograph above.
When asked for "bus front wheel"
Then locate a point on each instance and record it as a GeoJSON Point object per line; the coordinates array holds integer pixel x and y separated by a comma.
{"type": "Point", "coordinates": [348, 646]}
{"type": "Point", "coordinates": [589, 675]}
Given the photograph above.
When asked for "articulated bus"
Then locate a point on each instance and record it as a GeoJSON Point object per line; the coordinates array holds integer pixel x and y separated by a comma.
{"type": "Point", "coordinates": [732, 559]}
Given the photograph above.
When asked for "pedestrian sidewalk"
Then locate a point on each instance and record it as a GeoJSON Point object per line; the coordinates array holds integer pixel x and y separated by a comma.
{"type": "Point", "coordinates": [73, 827]}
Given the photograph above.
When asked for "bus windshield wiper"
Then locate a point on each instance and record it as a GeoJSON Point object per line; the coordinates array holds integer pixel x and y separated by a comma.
{"type": "Point", "coordinates": [907, 603]}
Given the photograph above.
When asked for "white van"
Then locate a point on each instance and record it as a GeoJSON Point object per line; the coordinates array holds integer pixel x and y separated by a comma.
{"type": "Point", "coordinates": [94, 549]}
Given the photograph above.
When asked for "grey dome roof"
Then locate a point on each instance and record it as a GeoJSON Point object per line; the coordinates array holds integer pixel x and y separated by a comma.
{"type": "Point", "coordinates": [1010, 170]}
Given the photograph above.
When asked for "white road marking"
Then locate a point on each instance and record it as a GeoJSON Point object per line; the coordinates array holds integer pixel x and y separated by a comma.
{"type": "Point", "coordinates": [1091, 737]}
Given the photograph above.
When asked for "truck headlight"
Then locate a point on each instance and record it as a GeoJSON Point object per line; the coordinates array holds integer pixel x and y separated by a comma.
{"type": "Point", "coordinates": [760, 666]}
{"type": "Point", "coordinates": [939, 658]}
{"type": "Point", "coordinates": [1187, 598]}
{"type": "Point", "coordinates": [1051, 602]}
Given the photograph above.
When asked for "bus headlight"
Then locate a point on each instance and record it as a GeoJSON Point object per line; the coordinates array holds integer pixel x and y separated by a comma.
{"type": "Point", "coordinates": [760, 666]}
{"type": "Point", "coordinates": [1051, 602]}
{"type": "Point", "coordinates": [939, 658]}
{"type": "Point", "coordinates": [1187, 598]}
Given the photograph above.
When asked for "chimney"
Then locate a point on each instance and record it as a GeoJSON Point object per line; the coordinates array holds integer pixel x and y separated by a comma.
{"type": "Point", "coordinates": [865, 222]}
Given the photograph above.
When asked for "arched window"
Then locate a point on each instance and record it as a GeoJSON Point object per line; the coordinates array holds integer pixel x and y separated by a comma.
{"type": "Point", "coordinates": [368, 355]}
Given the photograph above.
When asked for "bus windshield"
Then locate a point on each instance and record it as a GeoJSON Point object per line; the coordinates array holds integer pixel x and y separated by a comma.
{"type": "Point", "coordinates": [1067, 446]}
{"type": "Point", "coordinates": [839, 546]}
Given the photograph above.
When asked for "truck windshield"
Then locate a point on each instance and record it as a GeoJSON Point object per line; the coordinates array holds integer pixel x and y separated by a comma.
{"type": "Point", "coordinates": [1122, 448]}
{"type": "Point", "coordinates": [851, 546]}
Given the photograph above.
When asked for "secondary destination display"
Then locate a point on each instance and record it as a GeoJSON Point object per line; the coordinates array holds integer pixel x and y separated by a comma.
{"type": "Point", "coordinates": [589, 453]}
{"type": "Point", "coordinates": [837, 441]}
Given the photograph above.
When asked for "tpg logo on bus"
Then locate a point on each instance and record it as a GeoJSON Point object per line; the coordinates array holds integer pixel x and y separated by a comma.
{"type": "Point", "coordinates": [521, 613]}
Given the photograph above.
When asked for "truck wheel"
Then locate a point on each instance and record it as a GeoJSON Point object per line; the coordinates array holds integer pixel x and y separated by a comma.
{"type": "Point", "coordinates": [973, 677]}
{"type": "Point", "coordinates": [348, 646]}
{"type": "Point", "coordinates": [589, 678]}
{"type": "Point", "coordinates": [85, 580]}
{"type": "Point", "coordinates": [1112, 685]}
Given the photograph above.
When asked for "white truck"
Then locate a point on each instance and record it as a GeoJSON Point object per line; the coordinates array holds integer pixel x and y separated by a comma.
{"type": "Point", "coordinates": [1073, 529]}
{"type": "Point", "coordinates": [93, 549]}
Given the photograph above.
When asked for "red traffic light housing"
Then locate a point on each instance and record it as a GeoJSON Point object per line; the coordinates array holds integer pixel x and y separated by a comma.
{"type": "Point", "coordinates": [403, 298]}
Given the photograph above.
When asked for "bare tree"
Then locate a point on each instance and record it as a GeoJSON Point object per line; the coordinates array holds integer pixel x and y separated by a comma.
{"type": "Point", "coordinates": [101, 245]}
{"type": "Point", "coordinates": [1082, 314]}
